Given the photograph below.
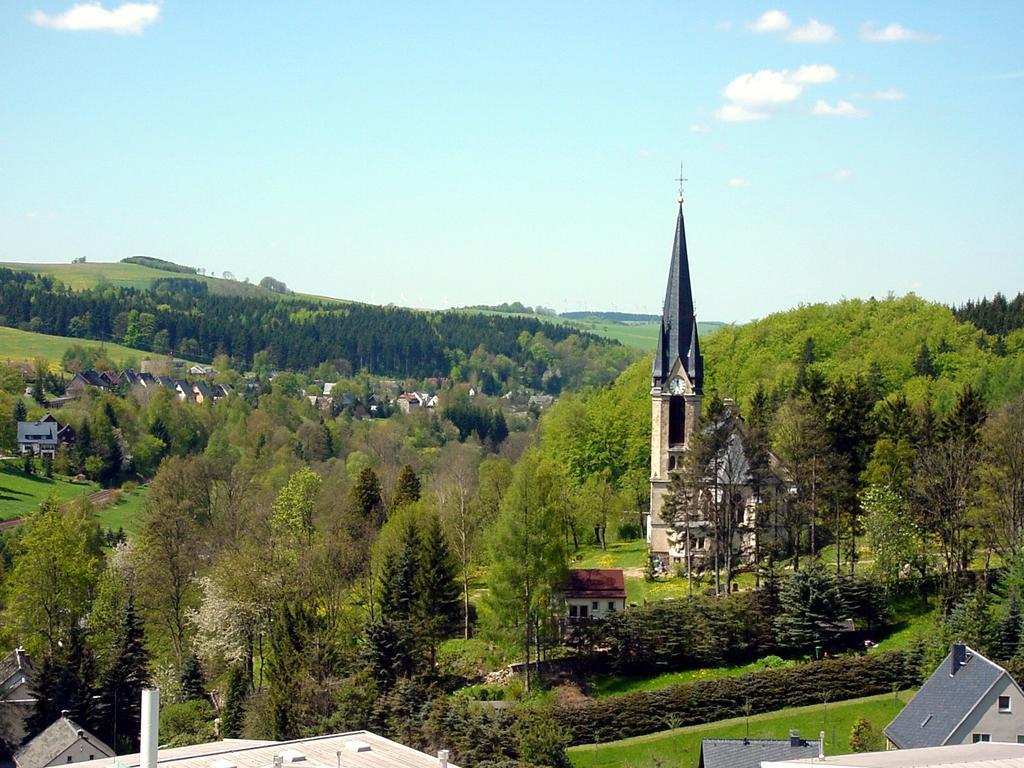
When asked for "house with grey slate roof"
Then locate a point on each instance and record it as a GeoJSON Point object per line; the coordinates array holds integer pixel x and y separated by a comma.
{"type": "Point", "coordinates": [63, 742]}
{"type": "Point", "coordinates": [749, 753]}
{"type": "Point", "coordinates": [967, 699]}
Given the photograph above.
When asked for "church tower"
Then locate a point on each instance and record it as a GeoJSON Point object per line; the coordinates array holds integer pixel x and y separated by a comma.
{"type": "Point", "coordinates": [677, 380]}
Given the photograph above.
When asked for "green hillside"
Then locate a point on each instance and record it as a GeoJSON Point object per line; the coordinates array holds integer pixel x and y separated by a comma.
{"type": "Point", "coordinates": [861, 337]}
{"type": "Point", "coordinates": [18, 345]}
{"type": "Point", "coordinates": [78, 277]}
{"type": "Point", "coordinates": [21, 494]}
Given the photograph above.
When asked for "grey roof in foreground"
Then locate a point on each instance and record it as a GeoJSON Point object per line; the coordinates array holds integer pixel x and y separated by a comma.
{"type": "Point", "coordinates": [982, 755]}
{"type": "Point", "coordinates": [748, 753]}
{"type": "Point", "coordinates": [49, 744]}
{"type": "Point", "coordinates": [943, 702]}
{"type": "Point", "coordinates": [358, 749]}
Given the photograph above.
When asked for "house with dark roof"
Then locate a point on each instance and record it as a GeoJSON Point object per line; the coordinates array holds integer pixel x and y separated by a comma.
{"type": "Point", "coordinates": [83, 381]}
{"type": "Point", "coordinates": [63, 742]}
{"type": "Point", "coordinates": [967, 699]}
{"type": "Point", "coordinates": [17, 677]}
{"type": "Point", "coordinates": [748, 753]}
{"type": "Point", "coordinates": [594, 593]}
{"type": "Point", "coordinates": [38, 438]}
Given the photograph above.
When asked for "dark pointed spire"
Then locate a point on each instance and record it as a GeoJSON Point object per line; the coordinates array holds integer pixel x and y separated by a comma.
{"type": "Point", "coordinates": [678, 338]}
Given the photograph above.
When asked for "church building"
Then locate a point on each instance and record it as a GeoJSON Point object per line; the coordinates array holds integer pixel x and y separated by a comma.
{"type": "Point", "coordinates": [677, 390]}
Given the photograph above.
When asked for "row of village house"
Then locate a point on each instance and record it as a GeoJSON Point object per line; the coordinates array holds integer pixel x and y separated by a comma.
{"type": "Point", "coordinates": [198, 391]}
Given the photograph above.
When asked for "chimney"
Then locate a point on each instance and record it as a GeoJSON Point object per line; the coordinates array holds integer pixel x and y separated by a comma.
{"type": "Point", "coordinates": [957, 657]}
{"type": "Point", "coordinates": [64, 713]}
{"type": "Point", "coordinates": [795, 740]}
{"type": "Point", "coordinates": [821, 745]}
{"type": "Point", "coordinates": [442, 758]}
{"type": "Point", "coordinates": [150, 736]}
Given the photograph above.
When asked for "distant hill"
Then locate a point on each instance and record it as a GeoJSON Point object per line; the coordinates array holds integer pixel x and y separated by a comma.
{"type": "Point", "coordinates": [880, 338]}
{"type": "Point", "coordinates": [26, 346]}
{"type": "Point", "coordinates": [634, 330]}
{"type": "Point", "coordinates": [142, 272]}
{"type": "Point", "coordinates": [611, 317]}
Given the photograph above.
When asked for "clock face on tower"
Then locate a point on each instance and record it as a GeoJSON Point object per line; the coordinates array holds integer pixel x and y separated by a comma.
{"type": "Point", "coordinates": [675, 385]}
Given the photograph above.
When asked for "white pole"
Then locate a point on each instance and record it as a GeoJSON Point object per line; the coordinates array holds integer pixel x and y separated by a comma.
{"type": "Point", "coordinates": [150, 735]}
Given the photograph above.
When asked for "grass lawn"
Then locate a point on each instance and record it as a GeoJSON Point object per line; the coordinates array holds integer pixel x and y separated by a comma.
{"type": "Point", "coordinates": [124, 513]}
{"type": "Point", "coordinates": [21, 494]}
{"type": "Point", "coordinates": [913, 619]}
{"type": "Point", "coordinates": [681, 747]}
{"type": "Point", "coordinates": [24, 345]}
{"type": "Point", "coordinates": [620, 554]}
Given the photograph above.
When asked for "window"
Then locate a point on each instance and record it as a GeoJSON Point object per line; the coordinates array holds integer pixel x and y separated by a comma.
{"type": "Point", "coordinates": [977, 737]}
{"type": "Point", "coordinates": [69, 758]}
{"type": "Point", "coordinates": [1020, 738]}
{"type": "Point", "coordinates": [92, 757]}
{"type": "Point", "coordinates": [1004, 704]}
{"type": "Point", "coordinates": [572, 612]}
{"type": "Point", "coordinates": [593, 605]}
{"type": "Point", "coordinates": [611, 605]}
{"type": "Point", "coordinates": [583, 611]}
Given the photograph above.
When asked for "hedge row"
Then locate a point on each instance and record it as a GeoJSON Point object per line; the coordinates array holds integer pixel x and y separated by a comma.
{"type": "Point", "coordinates": [633, 714]}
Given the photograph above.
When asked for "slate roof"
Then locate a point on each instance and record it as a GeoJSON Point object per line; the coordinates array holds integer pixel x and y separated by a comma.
{"type": "Point", "coordinates": [49, 744]}
{"type": "Point", "coordinates": [942, 703]}
{"type": "Point", "coordinates": [748, 753]}
{"type": "Point", "coordinates": [595, 582]}
{"type": "Point", "coordinates": [678, 337]}
{"type": "Point", "coordinates": [37, 432]}
{"type": "Point", "coordinates": [13, 667]}
{"type": "Point", "coordinates": [981, 755]}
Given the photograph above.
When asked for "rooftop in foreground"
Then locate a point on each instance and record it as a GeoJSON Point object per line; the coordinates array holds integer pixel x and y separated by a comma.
{"type": "Point", "coordinates": [980, 755]}
{"type": "Point", "coordinates": [358, 749]}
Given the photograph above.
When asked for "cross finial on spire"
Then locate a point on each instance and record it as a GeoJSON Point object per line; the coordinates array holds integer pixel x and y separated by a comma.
{"type": "Point", "coordinates": [681, 180]}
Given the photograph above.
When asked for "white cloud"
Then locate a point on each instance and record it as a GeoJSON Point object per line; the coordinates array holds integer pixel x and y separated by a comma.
{"type": "Point", "coordinates": [813, 32]}
{"type": "Point", "coordinates": [699, 128]}
{"type": "Point", "coordinates": [843, 174]}
{"type": "Point", "coordinates": [125, 19]}
{"type": "Point", "coordinates": [839, 109]}
{"type": "Point", "coordinates": [814, 74]}
{"type": "Point", "coordinates": [738, 183]}
{"type": "Point", "coordinates": [753, 94]}
{"type": "Point", "coordinates": [764, 88]}
{"type": "Point", "coordinates": [893, 33]}
{"type": "Point", "coordinates": [734, 113]}
{"type": "Point", "coordinates": [772, 21]}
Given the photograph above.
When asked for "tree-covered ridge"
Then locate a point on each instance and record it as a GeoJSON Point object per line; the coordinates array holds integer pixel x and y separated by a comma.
{"type": "Point", "coordinates": [299, 334]}
{"type": "Point", "coordinates": [154, 263]}
{"type": "Point", "coordinates": [996, 315]}
{"type": "Point", "coordinates": [898, 343]}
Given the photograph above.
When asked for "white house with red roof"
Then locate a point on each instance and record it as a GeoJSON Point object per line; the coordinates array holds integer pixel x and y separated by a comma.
{"type": "Point", "coordinates": [595, 593]}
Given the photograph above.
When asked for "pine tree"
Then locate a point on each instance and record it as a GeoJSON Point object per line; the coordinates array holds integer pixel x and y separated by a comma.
{"type": "Point", "coordinates": [366, 495]}
{"type": "Point", "coordinates": [923, 364]}
{"type": "Point", "coordinates": [809, 602]}
{"type": "Point", "coordinates": [46, 708]}
{"type": "Point", "coordinates": [20, 412]}
{"type": "Point", "coordinates": [1008, 633]}
{"type": "Point", "coordinates": [964, 421]}
{"type": "Point", "coordinates": [407, 488]}
{"type": "Point", "coordinates": [439, 608]}
{"type": "Point", "coordinates": [191, 679]}
{"type": "Point", "coordinates": [120, 689]}
{"type": "Point", "coordinates": [232, 716]}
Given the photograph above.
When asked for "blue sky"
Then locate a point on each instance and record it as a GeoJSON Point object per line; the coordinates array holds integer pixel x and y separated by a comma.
{"type": "Point", "coordinates": [440, 154]}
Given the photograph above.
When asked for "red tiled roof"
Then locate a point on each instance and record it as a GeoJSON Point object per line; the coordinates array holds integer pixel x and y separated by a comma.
{"type": "Point", "coordinates": [595, 582]}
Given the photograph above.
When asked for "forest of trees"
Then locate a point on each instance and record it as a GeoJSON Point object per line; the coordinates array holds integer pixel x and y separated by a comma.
{"type": "Point", "coordinates": [298, 334]}
{"type": "Point", "coordinates": [997, 315]}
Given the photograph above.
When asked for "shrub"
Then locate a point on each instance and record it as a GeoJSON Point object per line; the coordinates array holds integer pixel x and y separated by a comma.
{"type": "Point", "coordinates": [633, 714]}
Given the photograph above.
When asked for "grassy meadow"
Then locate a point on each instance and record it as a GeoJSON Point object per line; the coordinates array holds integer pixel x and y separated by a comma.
{"type": "Point", "coordinates": [21, 494]}
{"type": "Point", "coordinates": [18, 345]}
{"type": "Point", "coordinates": [124, 512]}
{"type": "Point", "coordinates": [681, 747]}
